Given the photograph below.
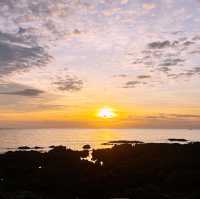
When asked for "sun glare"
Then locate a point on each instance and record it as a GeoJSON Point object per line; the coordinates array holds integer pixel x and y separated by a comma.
{"type": "Point", "coordinates": [106, 113]}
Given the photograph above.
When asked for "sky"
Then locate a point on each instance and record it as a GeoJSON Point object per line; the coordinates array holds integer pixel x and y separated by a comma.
{"type": "Point", "coordinates": [61, 61]}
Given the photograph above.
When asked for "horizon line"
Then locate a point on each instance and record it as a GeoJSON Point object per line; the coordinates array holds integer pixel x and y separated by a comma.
{"type": "Point", "coordinates": [178, 128]}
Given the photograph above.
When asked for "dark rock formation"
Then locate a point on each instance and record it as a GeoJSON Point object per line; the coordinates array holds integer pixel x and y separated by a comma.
{"type": "Point", "coordinates": [141, 171]}
{"type": "Point", "coordinates": [86, 146]}
{"type": "Point", "coordinates": [123, 142]}
{"type": "Point", "coordinates": [24, 147]}
{"type": "Point", "coordinates": [177, 140]}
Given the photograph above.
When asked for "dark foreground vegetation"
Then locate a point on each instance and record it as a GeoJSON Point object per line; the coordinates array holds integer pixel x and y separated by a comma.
{"type": "Point", "coordinates": [142, 171]}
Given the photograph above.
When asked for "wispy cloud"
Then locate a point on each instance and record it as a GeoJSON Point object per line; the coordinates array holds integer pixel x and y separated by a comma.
{"type": "Point", "coordinates": [171, 62]}
{"type": "Point", "coordinates": [121, 75]}
{"type": "Point", "coordinates": [164, 120]}
{"type": "Point", "coordinates": [69, 84]}
{"type": "Point", "coordinates": [17, 54]}
{"type": "Point", "coordinates": [144, 76]}
{"type": "Point", "coordinates": [160, 44]}
{"type": "Point", "coordinates": [163, 116]}
{"type": "Point", "coordinates": [25, 92]}
{"type": "Point", "coordinates": [132, 84]}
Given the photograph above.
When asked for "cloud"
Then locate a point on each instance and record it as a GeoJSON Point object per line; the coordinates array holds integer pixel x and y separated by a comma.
{"type": "Point", "coordinates": [188, 43]}
{"type": "Point", "coordinates": [196, 51]}
{"type": "Point", "coordinates": [196, 38]}
{"type": "Point", "coordinates": [18, 54]}
{"type": "Point", "coordinates": [22, 107]}
{"type": "Point", "coordinates": [176, 44]}
{"type": "Point", "coordinates": [144, 76]}
{"type": "Point", "coordinates": [26, 92]}
{"type": "Point", "coordinates": [76, 32]}
{"type": "Point", "coordinates": [171, 62]}
{"type": "Point", "coordinates": [159, 44]}
{"type": "Point", "coordinates": [173, 121]}
{"type": "Point", "coordinates": [131, 84]}
{"type": "Point", "coordinates": [164, 120]}
{"type": "Point", "coordinates": [168, 55]}
{"type": "Point", "coordinates": [140, 81]}
{"type": "Point", "coordinates": [163, 116]}
{"type": "Point", "coordinates": [11, 88]}
{"type": "Point", "coordinates": [185, 73]}
{"type": "Point", "coordinates": [69, 84]}
{"type": "Point", "coordinates": [121, 75]}
{"type": "Point", "coordinates": [164, 69]}
{"type": "Point", "coordinates": [185, 116]}
{"type": "Point", "coordinates": [50, 17]}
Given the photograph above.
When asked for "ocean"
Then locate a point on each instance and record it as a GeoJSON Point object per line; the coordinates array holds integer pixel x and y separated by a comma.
{"type": "Point", "coordinates": [11, 139]}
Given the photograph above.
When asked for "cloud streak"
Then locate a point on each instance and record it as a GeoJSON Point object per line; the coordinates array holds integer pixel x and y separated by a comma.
{"type": "Point", "coordinates": [69, 84]}
{"type": "Point", "coordinates": [26, 92]}
{"type": "Point", "coordinates": [16, 54]}
{"type": "Point", "coordinates": [133, 84]}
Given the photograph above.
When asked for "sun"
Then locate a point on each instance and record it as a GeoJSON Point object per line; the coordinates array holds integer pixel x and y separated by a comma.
{"type": "Point", "coordinates": [106, 113]}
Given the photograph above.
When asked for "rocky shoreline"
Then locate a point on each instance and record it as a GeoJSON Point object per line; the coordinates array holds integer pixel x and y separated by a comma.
{"type": "Point", "coordinates": [139, 171]}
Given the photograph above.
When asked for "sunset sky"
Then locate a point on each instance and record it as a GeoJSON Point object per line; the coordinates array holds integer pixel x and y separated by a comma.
{"type": "Point", "coordinates": [62, 61]}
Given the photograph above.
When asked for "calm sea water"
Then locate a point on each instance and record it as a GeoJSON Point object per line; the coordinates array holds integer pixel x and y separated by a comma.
{"type": "Point", "coordinates": [10, 139]}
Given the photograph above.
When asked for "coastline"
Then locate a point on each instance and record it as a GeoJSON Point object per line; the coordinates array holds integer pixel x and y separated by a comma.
{"type": "Point", "coordinates": [75, 139]}
{"type": "Point", "coordinates": [145, 170]}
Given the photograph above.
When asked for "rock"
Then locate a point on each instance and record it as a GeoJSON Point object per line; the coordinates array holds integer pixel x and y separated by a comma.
{"type": "Point", "coordinates": [140, 171]}
{"type": "Point", "coordinates": [24, 148]}
{"type": "Point", "coordinates": [58, 149]}
{"type": "Point", "coordinates": [123, 142]}
{"type": "Point", "coordinates": [25, 195]}
{"type": "Point", "coordinates": [38, 147]}
{"type": "Point", "coordinates": [177, 140]}
{"type": "Point", "coordinates": [107, 144]}
{"type": "Point", "coordinates": [86, 146]}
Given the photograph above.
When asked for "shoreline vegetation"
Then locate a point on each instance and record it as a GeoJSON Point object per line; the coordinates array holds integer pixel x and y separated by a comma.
{"type": "Point", "coordinates": [129, 169]}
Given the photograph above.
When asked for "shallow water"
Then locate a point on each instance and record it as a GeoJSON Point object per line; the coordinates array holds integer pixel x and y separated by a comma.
{"type": "Point", "coordinates": [10, 139]}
